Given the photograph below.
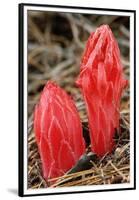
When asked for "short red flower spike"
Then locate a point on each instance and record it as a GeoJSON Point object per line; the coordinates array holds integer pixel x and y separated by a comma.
{"type": "Point", "coordinates": [58, 131]}
{"type": "Point", "coordinates": [101, 81]}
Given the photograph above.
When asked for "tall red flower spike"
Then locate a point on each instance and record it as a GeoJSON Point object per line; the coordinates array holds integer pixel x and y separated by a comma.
{"type": "Point", "coordinates": [58, 131]}
{"type": "Point", "coordinates": [101, 81]}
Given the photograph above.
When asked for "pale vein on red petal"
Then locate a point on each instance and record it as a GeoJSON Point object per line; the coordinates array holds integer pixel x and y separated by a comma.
{"type": "Point", "coordinates": [62, 109]}
{"type": "Point", "coordinates": [46, 157]}
{"type": "Point", "coordinates": [55, 137]}
{"type": "Point", "coordinates": [73, 111]}
{"type": "Point", "coordinates": [103, 124]}
{"type": "Point", "coordinates": [63, 106]}
{"type": "Point", "coordinates": [65, 150]}
{"type": "Point", "coordinates": [73, 134]}
{"type": "Point", "coordinates": [54, 122]}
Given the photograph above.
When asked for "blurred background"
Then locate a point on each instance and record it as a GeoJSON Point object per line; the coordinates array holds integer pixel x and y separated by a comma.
{"type": "Point", "coordinates": [56, 42]}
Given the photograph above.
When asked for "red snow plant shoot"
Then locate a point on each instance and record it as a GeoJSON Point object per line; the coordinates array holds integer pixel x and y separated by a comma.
{"type": "Point", "coordinates": [58, 131]}
{"type": "Point", "coordinates": [101, 81]}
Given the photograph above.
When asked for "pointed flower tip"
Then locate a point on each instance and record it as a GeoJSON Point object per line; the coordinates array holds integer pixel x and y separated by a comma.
{"type": "Point", "coordinates": [50, 85]}
{"type": "Point", "coordinates": [105, 27]}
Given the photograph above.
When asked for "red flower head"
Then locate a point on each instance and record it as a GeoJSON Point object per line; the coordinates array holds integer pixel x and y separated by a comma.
{"type": "Point", "coordinates": [101, 81]}
{"type": "Point", "coordinates": [58, 131]}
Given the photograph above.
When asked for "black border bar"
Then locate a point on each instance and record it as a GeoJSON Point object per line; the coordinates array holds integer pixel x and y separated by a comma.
{"type": "Point", "coordinates": [21, 100]}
